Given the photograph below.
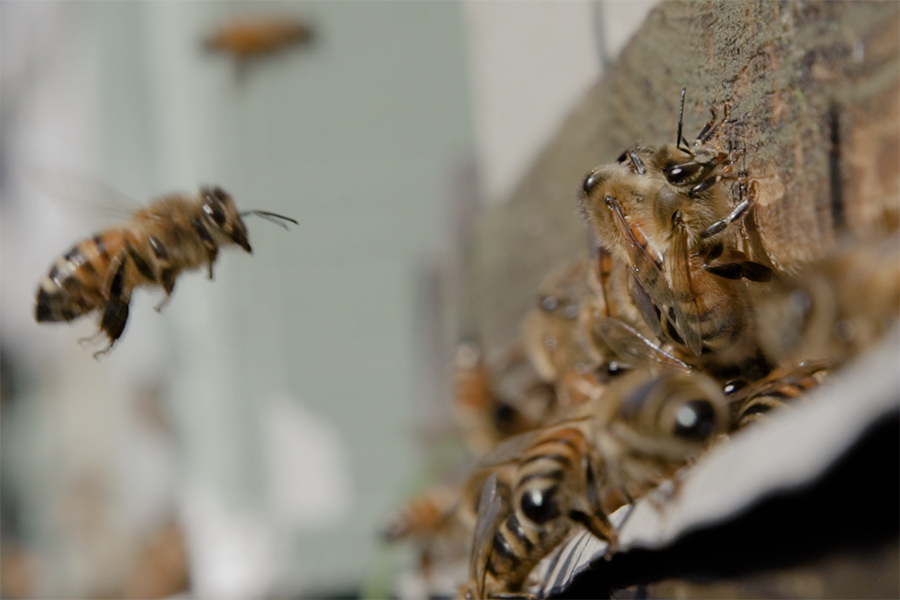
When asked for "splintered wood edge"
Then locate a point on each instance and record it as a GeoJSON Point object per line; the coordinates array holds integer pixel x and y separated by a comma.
{"type": "Point", "coordinates": [795, 76]}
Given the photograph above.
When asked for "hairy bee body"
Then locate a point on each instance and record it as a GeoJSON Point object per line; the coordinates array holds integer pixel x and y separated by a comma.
{"type": "Point", "coordinates": [667, 215]}
{"type": "Point", "coordinates": [607, 452]}
{"type": "Point", "coordinates": [173, 234]}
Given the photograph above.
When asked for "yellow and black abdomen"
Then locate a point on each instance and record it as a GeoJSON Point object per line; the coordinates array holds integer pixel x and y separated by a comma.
{"type": "Point", "coordinates": [74, 285]}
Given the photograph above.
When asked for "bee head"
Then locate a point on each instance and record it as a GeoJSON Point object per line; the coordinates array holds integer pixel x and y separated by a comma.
{"type": "Point", "coordinates": [673, 416]}
{"type": "Point", "coordinates": [222, 214]}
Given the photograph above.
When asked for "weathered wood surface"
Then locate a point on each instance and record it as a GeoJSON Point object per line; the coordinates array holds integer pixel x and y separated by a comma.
{"type": "Point", "coordinates": [795, 75]}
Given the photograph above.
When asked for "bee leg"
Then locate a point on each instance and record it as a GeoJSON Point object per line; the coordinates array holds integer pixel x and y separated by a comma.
{"type": "Point", "coordinates": [212, 249]}
{"type": "Point", "coordinates": [167, 280]}
{"type": "Point", "coordinates": [113, 323]}
{"type": "Point", "coordinates": [115, 314]}
{"type": "Point", "coordinates": [213, 254]}
{"type": "Point", "coordinates": [720, 225]}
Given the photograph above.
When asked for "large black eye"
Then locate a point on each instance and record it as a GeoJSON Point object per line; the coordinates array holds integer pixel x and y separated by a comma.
{"type": "Point", "coordinates": [539, 505]}
{"type": "Point", "coordinates": [590, 182]}
{"type": "Point", "coordinates": [695, 420]}
{"type": "Point", "coordinates": [680, 172]}
{"type": "Point", "coordinates": [213, 208]}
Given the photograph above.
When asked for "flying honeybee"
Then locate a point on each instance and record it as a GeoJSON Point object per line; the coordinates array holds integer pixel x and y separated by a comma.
{"type": "Point", "coordinates": [173, 234]}
{"type": "Point", "coordinates": [606, 453]}
{"type": "Point", "coordinates": [666, 213]}
{"type": "Point", "coordinates": [250, 37]}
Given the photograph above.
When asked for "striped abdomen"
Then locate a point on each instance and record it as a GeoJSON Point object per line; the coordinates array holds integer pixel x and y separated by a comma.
{"type": "Point", "coordinates": [778, 392]}
{"type": "Point", "coordinates": [535, 528]}
{"type": "Point", "coordinates": [75, 284]}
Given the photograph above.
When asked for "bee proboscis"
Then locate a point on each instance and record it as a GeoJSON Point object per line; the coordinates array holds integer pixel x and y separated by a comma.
{"type": "Point", "coordinates": [174, 234]}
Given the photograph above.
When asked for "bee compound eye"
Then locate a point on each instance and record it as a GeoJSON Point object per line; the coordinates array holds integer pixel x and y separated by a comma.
{"type": "Point", "coordinates": [539, 505]}
{"type": "Point", "coordinates": [695, 420]}
{"type": "Point", "coordinates": [549, 303]}
{"type": "Point", "coordinates": [213, 209]}
{"type": "Point", "coordinates": [592, 180]}
{"type": "Point", "coordinates": [680, 172]}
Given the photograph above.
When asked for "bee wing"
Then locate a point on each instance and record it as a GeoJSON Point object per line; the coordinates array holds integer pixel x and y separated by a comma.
{"type": "Point", "coordinates": [509, 450]}
{"type": "Point", "coordinates": [490, 505]}
{"type": "Point", "coordinates": [733, 264]}
{"type": "Point", "coordinates": [648, 275]}
{"type": "Point", "coordinates": [683, 288]}
{"type": "Point", "coordinates": [81, 193]}
{"type": "Point", "coordinates": [635, 349]}
{"type": "Point", "coordinates": [648, 310]}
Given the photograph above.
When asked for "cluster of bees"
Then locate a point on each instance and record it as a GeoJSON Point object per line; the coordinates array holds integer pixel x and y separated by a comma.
{"type": "Point", "coordinates": [637, 360]}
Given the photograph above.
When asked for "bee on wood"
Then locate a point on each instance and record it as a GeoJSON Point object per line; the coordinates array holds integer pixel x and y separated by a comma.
{"type": "Point", "coordinates": [615, 318]}
{"type": "Point", "coordinates": [501, 399]}
{"type": "Point", "coordinates": [667, 214]}
{"type": "Point", "coordinates": [173, 234]}
{"type": "Point", "coordinates": [555, 340]}
{"type": "Point", "coordinates": [833, 308]}
{"type": "Point", "coordinates": [752, 403]}
{"type": "Point", "coordinates": [251, 37]}
{"type": "Point", "coordinates": [605, 454]}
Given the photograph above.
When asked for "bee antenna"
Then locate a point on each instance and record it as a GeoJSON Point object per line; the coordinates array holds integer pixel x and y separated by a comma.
{"type": "Point", "coordinates": [270, 216]}
{"type": "Point", "coordinates": [679, 139]}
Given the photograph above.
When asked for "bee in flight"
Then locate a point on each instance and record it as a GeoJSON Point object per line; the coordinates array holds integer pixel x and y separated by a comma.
{"type": "Point", "coordinates": [248, 37]}
{"type": "Point", "coordinates": [173, 234]}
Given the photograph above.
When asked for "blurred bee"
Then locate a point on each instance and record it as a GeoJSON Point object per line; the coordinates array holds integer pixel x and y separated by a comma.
{"type": "Point", "coordinates": [436, 523]}
{"type": "Point", "coordinates": [834, 308]}
{"type": "Point", "coordinates": [251, 37]}
{"type": "Point", "coordinates": [555, 339]}
{"type": "Point", "coordinates": [752, 403]}
{"type": "Point", "coordinates": [666, 213]}
{"type": "Point", "coordinates": [609, 452]}
{"type": "Point", "coordinates": [173, 234]}
{"type": "Point", "coordinates": [496, 401]}
{"type": "Point", "coordinates": [614, 320]}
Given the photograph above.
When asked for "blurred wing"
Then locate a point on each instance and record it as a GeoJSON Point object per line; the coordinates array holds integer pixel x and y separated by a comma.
{"type": "Point", "coordinates": [635, 349]}
{"type": "Point", "coordinates": [509, 450]}
{"type": "Point", "coordinates": [490, 506]}
{"type": "Point", "coordinates": [81, 194]}
{"type": "Point", "coordinates": [679, 268]}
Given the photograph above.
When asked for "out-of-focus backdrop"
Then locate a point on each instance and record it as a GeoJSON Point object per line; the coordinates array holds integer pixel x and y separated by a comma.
{"type": "Point", "coordinates": [250, 440]}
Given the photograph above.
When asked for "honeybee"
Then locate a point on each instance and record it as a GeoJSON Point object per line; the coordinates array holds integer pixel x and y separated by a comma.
{"type": "Point", "coordinates": [436, 523]}
{"type": "Point", "coordinates": [173, 234]}
{"type": "Point", "coordinates": [667, 214]}
{"type": "Point", "coordinates": [608, 452]}
{"type": "Point", "coordinates": [833, 308]}
{"type": "Point", "coordinates": [556, 334]}
{"type": "Point", "coordinates": [751, 403]}
{"type": "Point", "coordinates": [250, 37]}
{"type": "Point", "coordinates": [496, 401]}
{"type": "Point", "coordinates": [615, 317]}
